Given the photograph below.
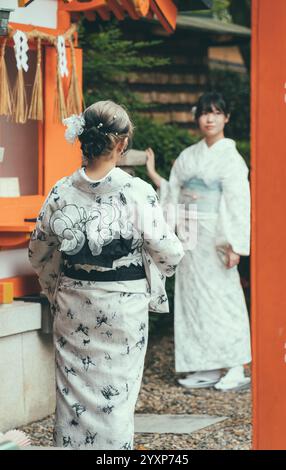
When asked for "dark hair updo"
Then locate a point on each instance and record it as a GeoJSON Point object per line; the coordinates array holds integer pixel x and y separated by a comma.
{"type": "Point", "coordinates": [209, 100]}
{"type": "Point", "coordinates": [106, 124]}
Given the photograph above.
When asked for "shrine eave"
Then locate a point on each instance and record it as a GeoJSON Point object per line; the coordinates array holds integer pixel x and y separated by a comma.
{"type": "Point", "coordinates": [164, 10]}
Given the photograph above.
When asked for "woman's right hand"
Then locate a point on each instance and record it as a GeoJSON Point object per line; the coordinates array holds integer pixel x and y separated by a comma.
{"type": "Point", "coordinates": [151, 169]}
{"type": "Point", "coordinates": [150, 161]}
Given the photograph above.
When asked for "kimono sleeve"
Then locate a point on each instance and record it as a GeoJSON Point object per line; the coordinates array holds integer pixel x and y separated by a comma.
{"type": "Point", "coordinates": [234, 214]}
{"type": "Point", "coordinates": [169, 191]}
{"type": "Point", "coordinates": [43, 254]}
{"type": "Point", "coordinates": [159, 240]}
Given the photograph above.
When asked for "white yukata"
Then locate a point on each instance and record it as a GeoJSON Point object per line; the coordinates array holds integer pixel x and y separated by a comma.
{"type": "Point", "coordinates": [211, 318]}
{"type": "Point", "coordinates": [101, 327]}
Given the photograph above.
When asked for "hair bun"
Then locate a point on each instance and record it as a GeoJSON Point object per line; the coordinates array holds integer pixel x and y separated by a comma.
{"type": "Point", "coordinates": [106, 123]}
{"type": "Point", "coordinates": [93, 142]}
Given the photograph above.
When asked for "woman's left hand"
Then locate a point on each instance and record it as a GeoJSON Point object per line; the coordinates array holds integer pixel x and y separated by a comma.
{"type": "Point", "coordinates": [232, 259]}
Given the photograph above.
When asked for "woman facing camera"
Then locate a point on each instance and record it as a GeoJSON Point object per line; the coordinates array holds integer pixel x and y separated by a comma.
{"type": "Point", "coordinates": [210, 179]}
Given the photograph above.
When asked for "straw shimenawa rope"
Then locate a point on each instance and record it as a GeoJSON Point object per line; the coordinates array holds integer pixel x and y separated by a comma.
{"type": "Point", "coordinates": [16, 104]}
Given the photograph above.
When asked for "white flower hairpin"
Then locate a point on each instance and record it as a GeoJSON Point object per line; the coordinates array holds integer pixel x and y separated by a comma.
{"type": "Point", "coordinates": [75, 126]}
{"type": "Point", "coordinates": [193, 111]}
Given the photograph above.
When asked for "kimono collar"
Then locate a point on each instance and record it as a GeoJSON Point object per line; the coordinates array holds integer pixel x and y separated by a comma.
{"type": "Point", "coordinates": [115, 179]}
{"type": "Point", "coordinates": [220, 145]}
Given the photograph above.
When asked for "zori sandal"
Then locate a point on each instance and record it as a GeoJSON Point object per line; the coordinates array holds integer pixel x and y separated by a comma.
{"type": "Point", "coordinates": [232, 385]}
{"type": "Point", "coordinates": [199, 380]}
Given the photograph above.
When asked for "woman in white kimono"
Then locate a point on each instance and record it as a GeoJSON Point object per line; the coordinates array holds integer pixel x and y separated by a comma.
{"type": "Point", "coordinates": [211, 320]}
{"type": "Point", "coordinates": [102, 249]}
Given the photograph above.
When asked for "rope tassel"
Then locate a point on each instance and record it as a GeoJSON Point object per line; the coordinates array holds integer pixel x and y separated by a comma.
{"type": "Point", "coordinates": [36, 107]}
{"type": "Point", "coordinates": [6, 103]}
{"type": "Point", "coordinates": [74, 95]}
{"type": "Point", "coordinates": [20, 108]}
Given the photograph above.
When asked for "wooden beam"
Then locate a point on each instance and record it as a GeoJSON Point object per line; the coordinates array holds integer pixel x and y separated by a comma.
{"type": "Point", "coordinates": [133, 158]}
{"type": "Point", "coordinates": [104, 13]}
{"type": "Point", "coordinates": [142, 6]}
{"type": "Point", "coordinates": [129, 7]}
{"type": "Point", "coordinates": [116, 9]}
{"type": "Point", "coordinates": [166, 12]}
{"type": "Point", "coordinates": [24, 3]}
{"type": "Point", "coordinates": [82, 6]}
{"type": "Point", "coordinates": [150, 15]}
{"type": "Point", "coordinates": [90, 15]}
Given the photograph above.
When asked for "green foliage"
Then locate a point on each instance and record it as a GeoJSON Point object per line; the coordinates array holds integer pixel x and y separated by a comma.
{"type": "Point", "coordinates": [240, 11]}
{"type": "Point", "coordinates": [108, 59]}
{"type": "Point", "coordinates": [236, 89]}
{"type": "Point", "coordinates": [220, 10]}
{"type": "Point", "coordinates": [243, 146]}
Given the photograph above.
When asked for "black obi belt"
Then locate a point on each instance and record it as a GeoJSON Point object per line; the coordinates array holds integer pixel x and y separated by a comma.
{"type": "Point", "coordinates": [114, 250]}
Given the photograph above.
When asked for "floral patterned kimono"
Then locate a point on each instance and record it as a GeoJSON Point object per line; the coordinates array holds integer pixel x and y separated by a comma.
{"type": "Point", "coordinates": [211, 319]}
{"type": "Point", "coordinates": [101, 268]}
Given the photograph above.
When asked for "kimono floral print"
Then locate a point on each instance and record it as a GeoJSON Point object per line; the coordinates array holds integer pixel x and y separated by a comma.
{"type": "Point", "coordinates": [101, 327]}
{"type": "Point", "coordinates": [103, 223]}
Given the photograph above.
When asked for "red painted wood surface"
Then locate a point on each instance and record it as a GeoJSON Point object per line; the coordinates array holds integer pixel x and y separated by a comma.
{"type": "Point", "coordinates": [268, 181]}
{"type": "Point", "coordinates": [61, 158]}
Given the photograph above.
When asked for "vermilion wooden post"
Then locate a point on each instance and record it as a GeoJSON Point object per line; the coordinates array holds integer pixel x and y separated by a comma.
{"type": "Point", "coordinates": [268, 223]}
{"type": "Point", "coordinates": [61, 158]}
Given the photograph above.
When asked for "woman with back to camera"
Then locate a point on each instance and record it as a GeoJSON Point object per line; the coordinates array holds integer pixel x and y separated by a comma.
{"type": "Point", "coordinates": [102, 249]}
{"type": "Point", "coordinates": [211, 319]}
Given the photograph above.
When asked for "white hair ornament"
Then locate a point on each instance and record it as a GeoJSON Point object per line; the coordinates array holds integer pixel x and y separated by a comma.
{"type": "Point", "coordinates": [193, 111]}
{"type": "Point", "coordinates": [75, 126]}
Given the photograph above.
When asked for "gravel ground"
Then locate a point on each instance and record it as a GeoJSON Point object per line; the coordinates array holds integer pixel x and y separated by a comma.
{"type": "Point", "coordinates": [161, 394]}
